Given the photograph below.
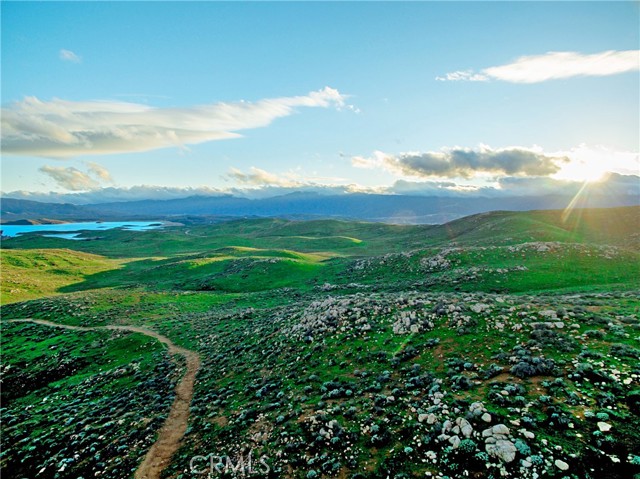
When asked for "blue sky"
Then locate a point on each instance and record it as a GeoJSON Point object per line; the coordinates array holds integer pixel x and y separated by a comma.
{"type": "Point", "coordinates": [136, 98]}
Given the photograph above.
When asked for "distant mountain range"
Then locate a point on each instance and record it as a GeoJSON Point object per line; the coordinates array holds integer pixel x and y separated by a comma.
{"type": "Point", "coordinates": [404, 209]}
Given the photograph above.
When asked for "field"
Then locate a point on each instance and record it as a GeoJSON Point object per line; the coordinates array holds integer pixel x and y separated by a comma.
{"type": "Point", "coordinates": [499, 345]}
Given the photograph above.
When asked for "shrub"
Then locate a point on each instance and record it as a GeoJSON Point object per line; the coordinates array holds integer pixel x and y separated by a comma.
{"type": "Point", "coordinates": [624, 350]}
{"type": "Point", "coordinates": [594, 334]}
{"type": "Point", "coordinates": [633, 401]}
{"type": "Point", "coordinates": [536, 460]}
{"type": "Point", "coordinates": [461, 382]}
{"type": "Point", "coordinates": [467, 446]}
{"type": "Point", "coordinates": [533, 367]}
{"type": "Point", "coordinates": [492, 371]}
{"type": "Point", "coordinates": [522, 447]}
{"type": "Point", "coordinates": [482, 456]}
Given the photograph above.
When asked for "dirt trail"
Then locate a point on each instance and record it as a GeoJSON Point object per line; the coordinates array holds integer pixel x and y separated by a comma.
{"type": "Point", "coordinates": [174, 427]}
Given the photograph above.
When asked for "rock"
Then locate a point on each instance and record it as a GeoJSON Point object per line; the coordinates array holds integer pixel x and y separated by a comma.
{"type": "Point", "coordinates": [446, 426]}
{"type": "Point", "coordinates": [486, 417]}
{"type": "Point", "coordinates": [422, 417]}
{"type": "Point", "coordinates": [455, 441]}
{"type": "Point", "coordinates": [526, 464]}
{"type": "Point", "coordinates": [527, 434]}
{"type": "Point", "coordinates": [604, 427]}
{"type": "Point", "coordinates": [479, 307]}
{"type": "Point", "coordinates": [466, 428]}
{"type": "Point", "coordinates": [503, 449]}
{"type": "Point", "coordinates": [500, 429]}
{"type": "Point", "coordinates": [476, 408]}
{"type": "Point", "coordinates": [563, 466]}
{"type": "Point", "coordinates": [431, 419]}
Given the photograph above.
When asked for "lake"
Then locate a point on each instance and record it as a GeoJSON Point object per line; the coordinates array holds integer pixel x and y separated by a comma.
{"type": "Point", "coordinates": [70, 230]}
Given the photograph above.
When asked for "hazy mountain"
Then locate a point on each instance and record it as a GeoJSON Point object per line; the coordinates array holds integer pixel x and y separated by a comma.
{"type": "Point", "coordinates": [371, 207]}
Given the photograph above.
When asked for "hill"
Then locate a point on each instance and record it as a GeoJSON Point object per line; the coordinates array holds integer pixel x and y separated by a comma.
{"type": "Point", "coordinates": [12, 210]}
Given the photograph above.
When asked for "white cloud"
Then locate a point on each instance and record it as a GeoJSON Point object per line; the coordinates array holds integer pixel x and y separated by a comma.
{"type": "Point", "coordinates": [63, 129]}
{"type": "Point", "coordinates": [70, 178]}
{"type": "Point", "coordinates": [554, 66]}
{"type": "Point", "coordinates": [465, 162]}
{"type": "Point", "coordinates": [466, 75]}
{"type": "Point", "coordinates": [259, 177]}
{"type": "Point", "coordinates": [372, 163]}
{"type": "Point", "coordinates": [69, 56]}
{"type": "Point", "coordinates": [99, 171]}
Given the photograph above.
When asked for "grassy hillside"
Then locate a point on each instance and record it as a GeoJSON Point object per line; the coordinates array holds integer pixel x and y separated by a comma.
{"type": "Point", "coordinates": [497, 252]}
{"type": "Point", "coordinates": [503, 345]}
{"type": "Point", "coordinates": [85, 396]}
{"type": "Point", "coordinates": [613, 226]}
{"type": "Point", "coordinates": [34, 273]}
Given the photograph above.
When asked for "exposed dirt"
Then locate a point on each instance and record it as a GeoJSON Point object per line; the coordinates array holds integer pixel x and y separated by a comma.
{"type": "Point", "coordinates": [174, 427]}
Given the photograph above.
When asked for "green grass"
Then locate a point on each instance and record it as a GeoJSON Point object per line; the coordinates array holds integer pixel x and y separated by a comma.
{"type": "Point", "coordinates": [34, 273]}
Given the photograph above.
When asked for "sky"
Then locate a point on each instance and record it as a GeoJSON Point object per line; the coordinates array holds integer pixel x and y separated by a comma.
{"type": "Point", "coordinates": [131, 100]}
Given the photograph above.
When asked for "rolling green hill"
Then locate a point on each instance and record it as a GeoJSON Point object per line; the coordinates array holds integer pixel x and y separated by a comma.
{"type": "Point", "coordinates": [34, 273]}
{"type": "Point", "coordinates": [588, 248]}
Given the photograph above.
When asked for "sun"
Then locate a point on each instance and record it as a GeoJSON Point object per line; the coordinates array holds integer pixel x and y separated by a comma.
{"type": "Point", "coordinates": [592, 164]}
{"type": "Point", "coordinates": [582, 171]}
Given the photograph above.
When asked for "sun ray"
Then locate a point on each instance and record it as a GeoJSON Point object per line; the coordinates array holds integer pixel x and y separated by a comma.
{"type": "Point", "coordinates": [583, 191]}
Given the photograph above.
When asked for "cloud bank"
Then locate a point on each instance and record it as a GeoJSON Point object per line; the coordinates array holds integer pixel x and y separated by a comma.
{"type": "Point", "coordinates": [64, 129]}
{"type": "Point", "coordinates": [613, 185]}
{"type": "Point", "coordinates": [554, 66]}
{"type": "Point", "coordinates": [465, 163]}
{"type": "Point", "coordinates": [259, 177]}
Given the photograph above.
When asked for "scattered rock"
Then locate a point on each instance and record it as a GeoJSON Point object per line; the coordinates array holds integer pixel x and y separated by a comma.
{"type": "Point", "coordinates": [503, 449]}
{"type": "Point", "coordinates": [500, 429]}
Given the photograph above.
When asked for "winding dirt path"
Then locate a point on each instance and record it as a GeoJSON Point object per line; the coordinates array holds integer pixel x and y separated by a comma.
{"type": "Point", "coordinates": [174, 427]}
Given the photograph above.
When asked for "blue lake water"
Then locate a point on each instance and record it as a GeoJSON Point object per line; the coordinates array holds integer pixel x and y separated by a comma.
{"type": "Point", "coordinates": [70, 230]}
